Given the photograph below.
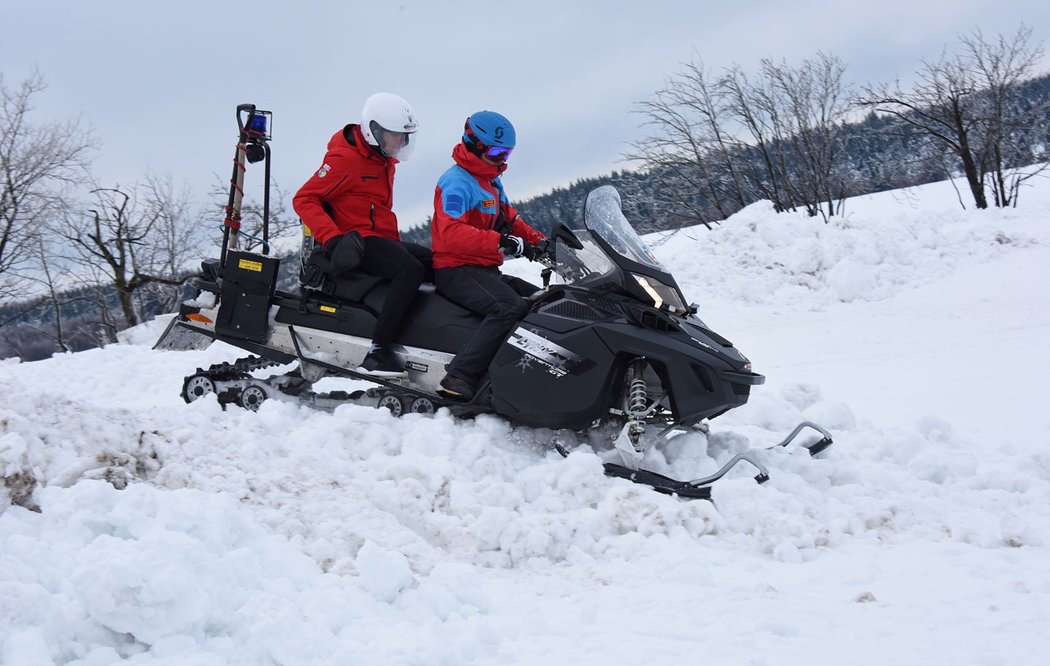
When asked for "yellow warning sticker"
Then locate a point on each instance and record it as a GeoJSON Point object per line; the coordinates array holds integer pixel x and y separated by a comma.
{"type": "Point", "coordinates": [327, 308]}
{"type": "Point", "coordinates": [250, 265]}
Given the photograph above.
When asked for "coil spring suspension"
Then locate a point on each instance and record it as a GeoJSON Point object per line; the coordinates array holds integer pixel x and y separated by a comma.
{"type": "Point", "coordinates": [636, 396]}
{"type": "Point", "coordinates": [628, 443]}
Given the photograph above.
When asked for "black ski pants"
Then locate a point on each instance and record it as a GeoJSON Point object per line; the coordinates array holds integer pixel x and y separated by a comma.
{"type": "Point", "coordinates": [483, 289]}
{"type": "Point", "coordinates": [406, 265]}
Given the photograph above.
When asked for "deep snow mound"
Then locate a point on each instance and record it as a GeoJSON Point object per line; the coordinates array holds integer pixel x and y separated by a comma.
{"type": "Point", "coordinates": [789, 261]}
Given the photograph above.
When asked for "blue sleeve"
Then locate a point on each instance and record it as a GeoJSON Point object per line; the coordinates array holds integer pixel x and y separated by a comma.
{"type": "Point", "coordinates": [455, 195]}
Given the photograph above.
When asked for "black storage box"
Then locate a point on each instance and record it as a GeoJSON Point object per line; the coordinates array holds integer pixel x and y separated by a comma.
{"type": "Point", "coordinates": [248, 282]}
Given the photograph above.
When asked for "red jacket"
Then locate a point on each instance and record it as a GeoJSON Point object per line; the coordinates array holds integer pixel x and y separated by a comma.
{"type": "Point", "coordinates": [467, 203]}
{"type": "Point", "coordinates": [352, 191]}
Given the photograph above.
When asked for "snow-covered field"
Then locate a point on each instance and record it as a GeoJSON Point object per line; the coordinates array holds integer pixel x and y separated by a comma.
{"type": "Point", "coordinates": [166, 533]}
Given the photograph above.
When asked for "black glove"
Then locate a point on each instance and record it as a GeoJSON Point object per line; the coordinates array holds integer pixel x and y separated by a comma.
{"type": "Point", "coordinates": [538, 251]}
{"type": "Point", "coordinates": [511, 245]}
{"type": "Point", "coordinates": [344, 252]}
{"type": "Point", "coordinates": [330, 246]}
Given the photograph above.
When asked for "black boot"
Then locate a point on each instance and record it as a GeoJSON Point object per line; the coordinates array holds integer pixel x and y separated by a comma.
{"type": "Point", "coordinates": [456, 388]}
{"type": "Point", "coordinates": [381, 361]}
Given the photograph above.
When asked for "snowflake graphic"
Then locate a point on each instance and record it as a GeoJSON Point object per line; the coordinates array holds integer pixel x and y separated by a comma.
{"type": "Point", "coordinates": [525, 363]}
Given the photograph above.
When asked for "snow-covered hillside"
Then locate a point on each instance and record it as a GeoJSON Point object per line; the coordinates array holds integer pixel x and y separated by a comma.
{"type": "Point", "coordinates": [166, 533]}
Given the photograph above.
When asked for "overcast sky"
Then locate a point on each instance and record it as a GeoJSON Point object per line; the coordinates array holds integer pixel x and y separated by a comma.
{"type": "Point", "coordinates": [159, 81]}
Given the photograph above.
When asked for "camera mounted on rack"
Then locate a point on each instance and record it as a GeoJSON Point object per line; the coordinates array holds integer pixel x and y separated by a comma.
{"type": "Point", "coordinates": [254, 126]}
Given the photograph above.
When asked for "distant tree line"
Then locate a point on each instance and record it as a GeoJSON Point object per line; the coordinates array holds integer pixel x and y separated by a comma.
{"type": "Point", "coordinates": [101, 257]}
{"type": "Point", "coordinates": [801, 138]}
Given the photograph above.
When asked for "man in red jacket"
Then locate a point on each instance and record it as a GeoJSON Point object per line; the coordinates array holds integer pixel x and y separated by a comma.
{"type": "Point", "coordinates": [347, 206]}
{"type": "Point", "coordinates": [473, 227]}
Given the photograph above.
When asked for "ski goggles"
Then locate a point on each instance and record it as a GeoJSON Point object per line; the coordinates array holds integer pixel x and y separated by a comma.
{"type": "Point", "coordinates": [497, 153]}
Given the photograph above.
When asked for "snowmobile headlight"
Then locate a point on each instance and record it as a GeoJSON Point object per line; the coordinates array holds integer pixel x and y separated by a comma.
{"type": "Point", "coordinates": [661, 294]}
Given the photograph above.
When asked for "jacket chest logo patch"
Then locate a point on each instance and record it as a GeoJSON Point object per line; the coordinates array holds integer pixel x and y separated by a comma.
{"type": "Point", "coordinates": [488, 203]}
{"type": "Point", "coordinates": [323, 171]}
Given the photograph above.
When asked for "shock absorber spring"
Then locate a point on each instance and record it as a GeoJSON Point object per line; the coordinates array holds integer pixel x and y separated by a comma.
{"type": "Point", "coordinates": [629, 442]}
{"type": "Point", "coordinates": [636, 391]}
{"type": "Point", "coordinates": [636, 396]}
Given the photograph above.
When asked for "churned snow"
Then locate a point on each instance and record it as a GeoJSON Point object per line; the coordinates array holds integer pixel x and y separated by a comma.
{"type": "Point", "coordinates": [147, 531]}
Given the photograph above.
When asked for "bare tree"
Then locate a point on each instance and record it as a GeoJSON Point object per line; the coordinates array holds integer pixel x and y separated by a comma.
{"type": "Point", "coordinates": [37, 163]}
{"type": "Point", "coordinates": [688, 150]}
{"type": "Point", "coordinates": [120, 245]}
{"type": "Point", "coordinates": [725, 143]}
{"type": "Point", "coordinates": [752, 109]}
{"type": "Point", "coordinates": [176, 243]}
{"type": "Point", "coordinates": [968, 102]}
{"type": "Point", "coordinates": [54, 296]}
{"type": "Point", "coordinates": [1011, 125]}
{"type": "Point", "coordinates": [814, 104]}
{"type": "Point", "coordinates": [940, 105]}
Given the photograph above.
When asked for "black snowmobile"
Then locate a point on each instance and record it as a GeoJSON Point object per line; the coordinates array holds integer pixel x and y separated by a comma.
{"type": "Point", "coordinates": [611, 342]}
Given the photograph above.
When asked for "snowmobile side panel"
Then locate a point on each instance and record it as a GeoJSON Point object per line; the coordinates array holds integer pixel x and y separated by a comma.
{"type": "Point", "coordinates": [266, 350]}
{"type": "Point", "coordinates": [550, 379]}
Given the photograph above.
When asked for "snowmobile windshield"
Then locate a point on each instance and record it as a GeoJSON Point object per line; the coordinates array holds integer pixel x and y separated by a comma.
{"type": "Point", "coordinates": [602, 214]}
{"type": "Point", "coordinates": [592, 263]}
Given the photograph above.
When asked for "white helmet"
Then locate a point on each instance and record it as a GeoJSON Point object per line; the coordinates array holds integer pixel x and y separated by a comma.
{"type": "Point", "coordinates": [388, 123]}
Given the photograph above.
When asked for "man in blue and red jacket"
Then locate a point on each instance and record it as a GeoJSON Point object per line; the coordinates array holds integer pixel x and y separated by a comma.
{"type": "Point", "coordinates": [347, 206]}
{"type": "Point", "coordinates": [473, 227]}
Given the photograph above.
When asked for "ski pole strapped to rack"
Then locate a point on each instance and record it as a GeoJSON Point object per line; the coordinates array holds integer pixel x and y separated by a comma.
{"type": "Point", "coordinates": [253, 136]}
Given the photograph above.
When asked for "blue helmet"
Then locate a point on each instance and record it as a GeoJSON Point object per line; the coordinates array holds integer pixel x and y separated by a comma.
{"type": "Point", "coordinates": [489, 129]}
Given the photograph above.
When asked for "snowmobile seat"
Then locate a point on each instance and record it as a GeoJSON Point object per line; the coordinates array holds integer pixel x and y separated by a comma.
{"type": "Point", "coordinates": [352, 305]}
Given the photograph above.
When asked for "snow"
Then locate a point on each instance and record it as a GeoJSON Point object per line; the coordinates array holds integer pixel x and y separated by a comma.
{"type": "Point", "coordinates": [163, 533]}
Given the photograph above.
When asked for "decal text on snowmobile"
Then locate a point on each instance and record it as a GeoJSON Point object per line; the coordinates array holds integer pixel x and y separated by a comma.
{"type": "Point", "coordinates": [558, 360]}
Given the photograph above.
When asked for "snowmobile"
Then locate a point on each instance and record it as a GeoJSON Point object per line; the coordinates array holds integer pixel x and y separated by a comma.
{"type": "Point", "coordinates": [609, 342]}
